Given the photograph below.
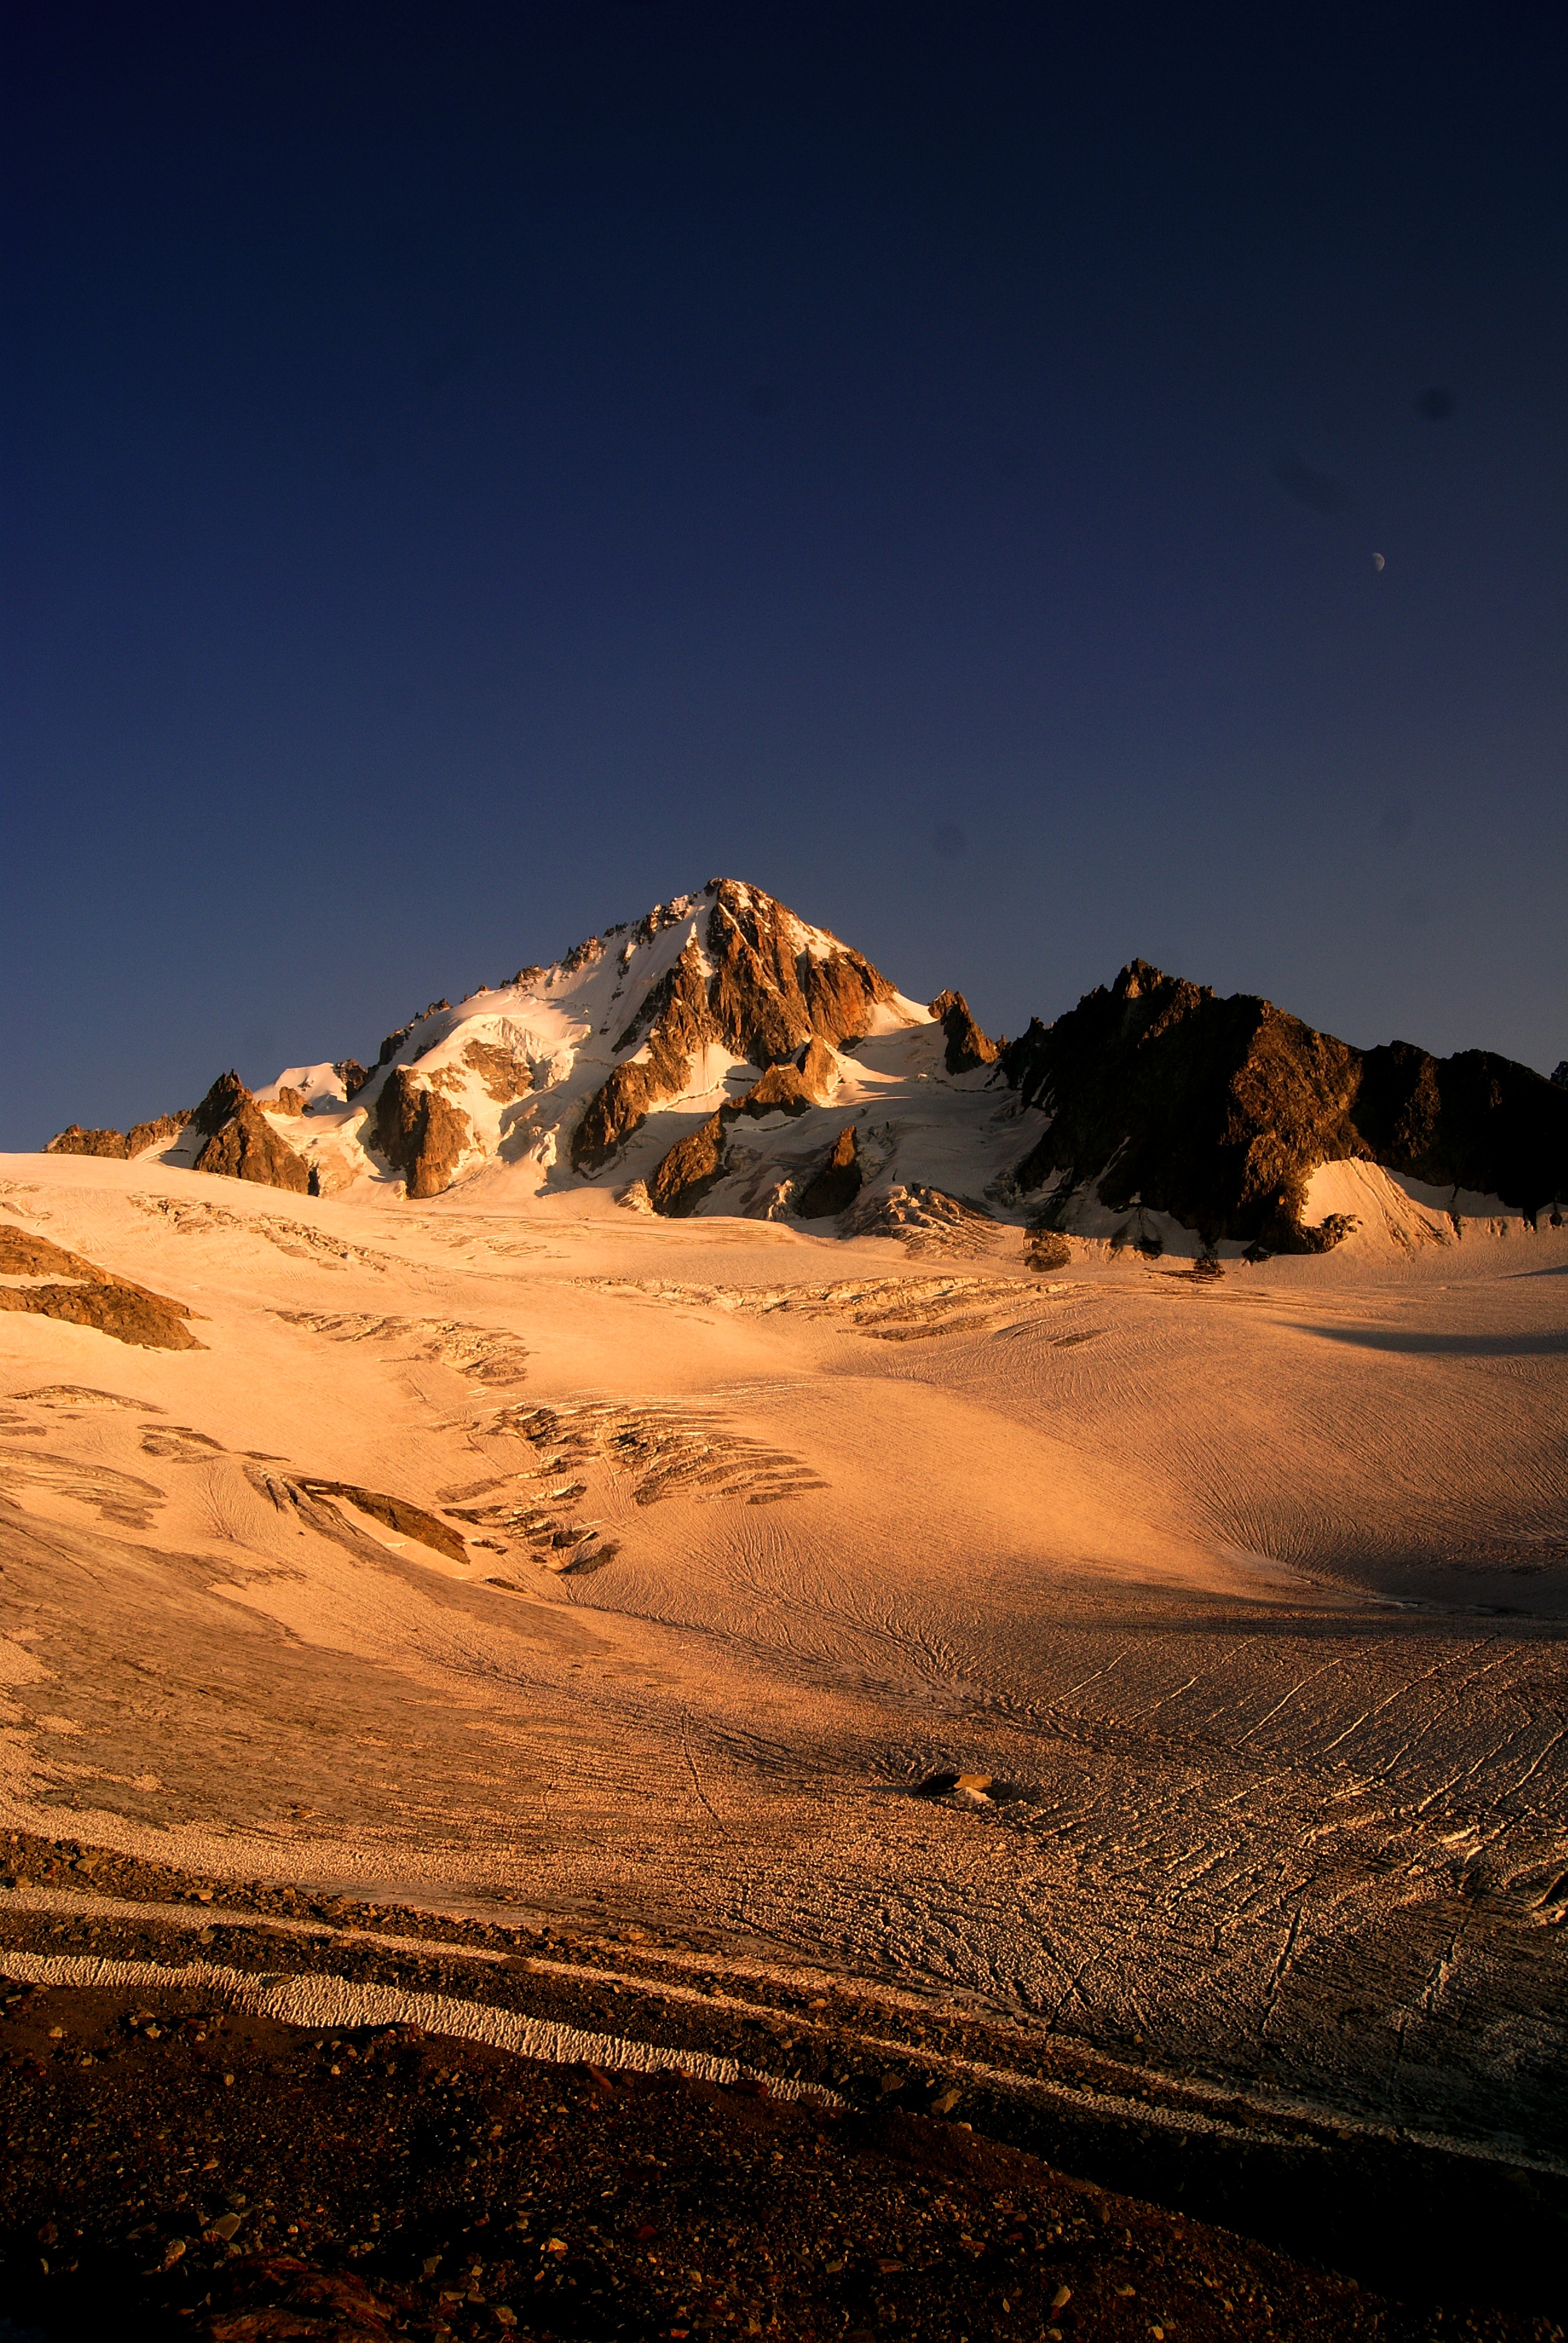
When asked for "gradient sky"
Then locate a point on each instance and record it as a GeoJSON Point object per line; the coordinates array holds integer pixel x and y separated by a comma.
{"type": "Point", "coordinates": [472, 473]}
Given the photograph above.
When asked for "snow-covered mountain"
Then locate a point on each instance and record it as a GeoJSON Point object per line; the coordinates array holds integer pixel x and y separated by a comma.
{"type": "Point", "coordinates": [722, 1056]}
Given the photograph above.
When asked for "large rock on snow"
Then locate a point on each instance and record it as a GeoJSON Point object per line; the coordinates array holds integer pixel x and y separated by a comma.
{"type": "Point", "coordinates": [836, 1183]}
{"type": "Point", "coordinates": [241, 1144]}
{"type": "Point", "coordinates": [966, 1046]}
{"type": "Point", "coordinates": [419, 1132]}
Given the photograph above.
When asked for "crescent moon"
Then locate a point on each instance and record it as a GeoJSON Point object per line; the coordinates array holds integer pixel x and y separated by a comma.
{"type": "Point", "coordinates": [1377, 562]}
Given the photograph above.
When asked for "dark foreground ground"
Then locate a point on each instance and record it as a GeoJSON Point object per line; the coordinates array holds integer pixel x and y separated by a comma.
{"type": "Point", "coordinates": [178, 2169]}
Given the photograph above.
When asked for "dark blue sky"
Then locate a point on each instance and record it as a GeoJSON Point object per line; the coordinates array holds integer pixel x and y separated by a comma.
{"type": "Point", "coordinates": [471, 473]}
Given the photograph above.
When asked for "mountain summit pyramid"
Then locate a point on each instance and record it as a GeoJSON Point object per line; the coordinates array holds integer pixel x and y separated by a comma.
{"type": "Point", "coordinates": [722, 1056]}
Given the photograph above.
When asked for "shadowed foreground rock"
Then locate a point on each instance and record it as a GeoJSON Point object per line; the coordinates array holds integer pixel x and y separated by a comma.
{"type": "Point", "coordinates": [176, 2168]}
{"type": "Point", "coordinates": [838, 1183]}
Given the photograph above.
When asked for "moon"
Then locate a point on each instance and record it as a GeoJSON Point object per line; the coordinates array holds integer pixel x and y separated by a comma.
{"type": "Point", "coordinates": [1377, 562]}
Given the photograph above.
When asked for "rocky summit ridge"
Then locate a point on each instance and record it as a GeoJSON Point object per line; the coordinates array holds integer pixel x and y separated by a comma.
{"type": "Point", "coordinates": [720, 1055]}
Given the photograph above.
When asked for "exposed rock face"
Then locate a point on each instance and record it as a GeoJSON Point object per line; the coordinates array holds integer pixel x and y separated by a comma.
{"type": "Point", "coordinates": [75, 1141]}
{"type": "Point", "coordinates": [395, 1040]}
{"type": "Point", "coordinates": [967, 1047]}
{"type": "Point", "coordinates": [1473, 1120]}
{"type": "Point", "coordinates": [419, 1133]}
{"type": "Point", "coordinates": [285, 1100]}
{"type": "Point", "coordinates": [1218, 1110]}
{"type": "Point", "coordinates": [505, 1074]}
{"type": "Point", "coordinates": [698, 1162]}
{"type": "Point", "coordinates": [1560, 1073]}
{"type": "Point", "coordinates": [693, 1166]}
{"type": "Point", "coordinates": [93, 1297]}
{"type": "Point", "coordinates": [241, 1144]}
{"type": "Point", "coordinates": [160, 1132]}
{"type": "Point", "coordinates": [838, 1183]}
{"type": "Point", "coordinates": [395, 1514]}
{"type": "Point", "coordinates": [762, 994]}
{"type": "Point", "coordinates": [351, 1074]}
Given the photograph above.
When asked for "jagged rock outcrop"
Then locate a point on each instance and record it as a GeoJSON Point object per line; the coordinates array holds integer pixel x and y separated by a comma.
{"type": "Point", "coordinates": [1560, 1073]}
{"type": "Point", "coordinates": [241, 1144]}
{"type": "Point", "coordinates": [697, 1163]}
{"type": "Point", "coordinates": [1217, 1111]}
{"type": "Point", "coordinates": [1473, 1120]}
{"type": "Point", "coordinates": [756, 987]}
{"type": "Point", "coordinates": [966, 1046]}
{"type": "Point", "coordinates": [836, 1183]}
{"type": "Point", "coordinates": [351, 1074]}
{"type": "Point", "coordinates": [419, 1132]}
{"type": "Point", "coordinates": [88, 1295]}
{"type": "Point", "coordinates": [285, 1099]}
{"type": "Point", "coordinates": [121, 1145]}
{"type": "Point", "coordinates": [75, 1141]}
{"type": "Point", "coordinates": [693, 1165]}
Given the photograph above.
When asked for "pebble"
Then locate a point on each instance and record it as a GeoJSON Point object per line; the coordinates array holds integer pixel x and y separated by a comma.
{"type": "Point", "coordinates": [1061, 2298]}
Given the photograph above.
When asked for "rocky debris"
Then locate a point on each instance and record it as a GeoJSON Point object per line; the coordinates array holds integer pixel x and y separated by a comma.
{"type": "Point", "coordinates": [476, 2192]}
{"type": "Point", "coordinates": [419, 1133]}
{"type": "Point", "coordinates": [1164, 1096]}
{"type": "Point", "coordinates": [836, 1185]}
{"type": "Point", "coordinates": [395, 1514]}
{"type": "Point", "coordinates": [967, 1047]}
{"type": "Point", "coordinates": [241, 1144]}
{"type": "Point", "coordinates": [1044, 1251]}
{"type": "Point", "coordinates": [757, 990]}
{"type": "Point", "coordinates": [95, 1297]}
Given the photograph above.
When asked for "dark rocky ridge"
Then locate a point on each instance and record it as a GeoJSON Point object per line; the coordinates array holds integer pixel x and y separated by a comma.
{"type": "Point", "coordinates": [764, 999]}
{"type": "Point", "coordinates": [1217, 1111]}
